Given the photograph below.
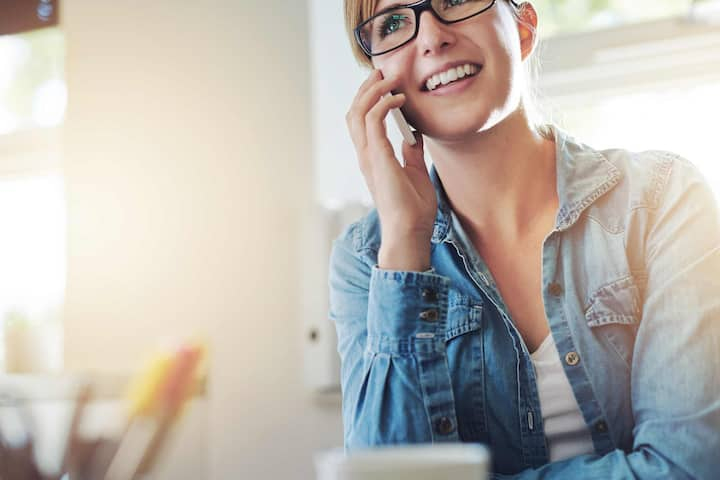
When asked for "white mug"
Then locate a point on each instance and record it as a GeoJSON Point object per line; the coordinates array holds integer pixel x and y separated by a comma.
{"type": "Point", "coordinates": [411, 462]}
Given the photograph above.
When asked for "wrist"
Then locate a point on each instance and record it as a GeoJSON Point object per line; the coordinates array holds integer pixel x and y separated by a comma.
{"type": "Point", "coordinates": [404, 256]}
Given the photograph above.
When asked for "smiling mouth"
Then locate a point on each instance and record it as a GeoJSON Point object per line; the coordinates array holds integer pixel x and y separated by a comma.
{"type": "Point", "coordinates": [451, 75]}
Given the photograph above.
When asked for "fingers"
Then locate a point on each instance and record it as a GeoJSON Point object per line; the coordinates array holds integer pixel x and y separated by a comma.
{"type": "Point", "coordinates": [354, 117]}
{"type": "Point", "coordinates": [374, 76]}
{"type": "Point", "coordinates": [378, 155]}
{"type": "Point", "coordinates": [375, 119]}
{"type": "Point", "coordinates": [414, 156]}
{"type": "Point", "coordinates": [367, 97]}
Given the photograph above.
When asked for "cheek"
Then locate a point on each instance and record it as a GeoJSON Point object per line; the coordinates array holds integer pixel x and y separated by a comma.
{"type": "Point", "coordinates": [395, 65]}
{"type": "Point", "coordinates": [386, 65]}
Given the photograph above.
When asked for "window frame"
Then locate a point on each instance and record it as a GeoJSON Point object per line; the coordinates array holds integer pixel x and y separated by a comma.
{"type": "Point", "coordinates": [630, 58]}
{"type": "Point", "coordinates": [36, 149]}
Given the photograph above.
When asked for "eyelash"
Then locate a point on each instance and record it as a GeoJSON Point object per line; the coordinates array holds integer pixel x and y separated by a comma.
{"type": "Point", "coordinates": [383, 27]}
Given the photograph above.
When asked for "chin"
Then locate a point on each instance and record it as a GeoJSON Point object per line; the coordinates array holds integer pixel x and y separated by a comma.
{"type": "Point", "coordinates": [450, 135]}
{"type": "Point", "coordinates": [453, 129]}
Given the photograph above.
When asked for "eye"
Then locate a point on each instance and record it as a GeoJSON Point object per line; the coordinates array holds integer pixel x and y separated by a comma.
{"type": "Point", "coordinates": [454, 3]}
{"type": "Point", "coordinates": [391, 24]}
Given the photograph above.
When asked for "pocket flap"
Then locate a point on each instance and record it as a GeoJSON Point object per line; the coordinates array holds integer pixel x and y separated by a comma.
{"type": "Point", "coordinates": [464, 315]}
{"type": "Point", "coordinates": [616, 302]}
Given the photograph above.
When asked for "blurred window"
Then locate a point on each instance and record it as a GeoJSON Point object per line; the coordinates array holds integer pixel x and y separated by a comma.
{"type": "Point", "coordinates": [32, 80]}
{"type": "Point", "coordinates": [569, 16]}
{"type": "Point", "coordinates": [675, 119]}
{"type": "Point", "coordinates": [33, 99]}
{"type": "Point", "coordinates": [32, 246]}
{"type": "Point", "coordinates": [646, 81]}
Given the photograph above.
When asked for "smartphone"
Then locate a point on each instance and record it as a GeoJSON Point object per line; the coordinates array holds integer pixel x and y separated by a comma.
{"type": "Point", "coordinates": [403, 126]}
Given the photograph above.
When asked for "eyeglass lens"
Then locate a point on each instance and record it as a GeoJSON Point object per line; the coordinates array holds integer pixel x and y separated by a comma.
{"type": "Point", "coordinates": [394, 27]}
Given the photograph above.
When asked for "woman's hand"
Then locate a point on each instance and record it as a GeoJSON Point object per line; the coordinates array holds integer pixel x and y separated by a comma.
{"type": "Point", "coordinates": [404, 197]}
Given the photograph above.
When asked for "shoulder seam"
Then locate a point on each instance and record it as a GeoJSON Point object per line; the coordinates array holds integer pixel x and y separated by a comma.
{"type": "Point", "coordinates": [661, 175]}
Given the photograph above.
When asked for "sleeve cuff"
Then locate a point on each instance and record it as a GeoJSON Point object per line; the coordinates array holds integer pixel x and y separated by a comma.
{"type": "Point", "coordinates": [405, 304]}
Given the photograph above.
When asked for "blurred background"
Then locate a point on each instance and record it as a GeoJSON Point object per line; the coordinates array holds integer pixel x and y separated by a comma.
{"type": "Point", "coordinates": [170, 169]}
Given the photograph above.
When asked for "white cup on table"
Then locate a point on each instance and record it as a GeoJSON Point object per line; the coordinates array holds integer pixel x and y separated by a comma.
{"type": "Point", "coordinates": [454, 461]}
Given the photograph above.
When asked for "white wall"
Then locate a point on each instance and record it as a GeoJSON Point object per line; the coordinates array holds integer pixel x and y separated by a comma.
{"type": "Point", "coordinates": [188, 171]}
{"type": "Point", "coordinates": [336, 79]}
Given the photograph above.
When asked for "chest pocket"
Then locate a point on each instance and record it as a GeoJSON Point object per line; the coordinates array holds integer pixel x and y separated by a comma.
{"type": "Point", "coordinates": [613, 314]}
{"type": "Point", "coordinates": [464, 315]}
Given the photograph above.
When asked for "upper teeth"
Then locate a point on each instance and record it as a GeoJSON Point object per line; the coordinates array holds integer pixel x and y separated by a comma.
{"type": "Point", "coordinates": [450, 75]}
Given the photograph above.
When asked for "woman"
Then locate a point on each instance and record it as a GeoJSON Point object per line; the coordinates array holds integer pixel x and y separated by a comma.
{"type": "Point", "coordinates": [556, 303]}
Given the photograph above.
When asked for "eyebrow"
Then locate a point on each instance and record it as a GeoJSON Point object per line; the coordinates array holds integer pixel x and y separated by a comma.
{"type": "Point", "coordinates": [392, 6]}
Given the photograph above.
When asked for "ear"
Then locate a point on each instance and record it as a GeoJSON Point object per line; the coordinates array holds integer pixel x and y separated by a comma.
{"type": "Point", "coordinates": [527, 28]}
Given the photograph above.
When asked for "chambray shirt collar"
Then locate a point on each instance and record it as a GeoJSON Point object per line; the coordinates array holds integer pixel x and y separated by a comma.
{"type": "Point", "coordinates": [583, 176]}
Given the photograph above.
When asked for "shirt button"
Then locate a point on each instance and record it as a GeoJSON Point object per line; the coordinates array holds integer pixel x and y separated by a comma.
{"type": "Point", "coordinates": [429, 315]}
{"type": "Point", "coordinates": [429, 295]}
{"type": "Point", "coordinates": [601, 426]}
{"type": "Point", "coordinates": [444, 426]}
{"type": "Point", "coordinates": [555, 289]}
{"type": "Point", "coordinates": [572, 359]}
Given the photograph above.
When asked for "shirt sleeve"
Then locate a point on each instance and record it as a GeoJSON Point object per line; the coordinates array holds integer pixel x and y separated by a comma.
{"type": "Point", "coordinates": [390, 327]}
{"type": "Point", "coordinates": [676, 362]}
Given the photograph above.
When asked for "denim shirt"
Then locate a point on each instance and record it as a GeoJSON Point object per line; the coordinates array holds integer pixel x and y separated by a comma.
{"type": "Point", "coordinates": [631, 290]}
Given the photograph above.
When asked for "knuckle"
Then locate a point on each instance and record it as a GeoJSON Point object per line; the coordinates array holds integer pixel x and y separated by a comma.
{"type": "Point", "coordinates": [374, 114]}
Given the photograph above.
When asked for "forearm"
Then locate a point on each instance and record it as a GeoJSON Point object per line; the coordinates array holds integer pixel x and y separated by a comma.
{"type": "Point", "coordinates": [408, 254]}
{"type": "Point", "coordinates": [390, 326]}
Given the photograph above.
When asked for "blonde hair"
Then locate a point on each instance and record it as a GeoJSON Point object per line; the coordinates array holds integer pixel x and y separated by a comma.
{"type": "Point", "coordinates": [531, 97]}
{"type": "Point", "coordinates": [356, 11]}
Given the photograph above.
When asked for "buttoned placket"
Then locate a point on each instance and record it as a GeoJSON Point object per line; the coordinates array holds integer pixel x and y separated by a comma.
{"type": "Point", "coordinates": [553, 293]}
{"type": "Point", "coordinates": [532, 435]}
{"type": "Point", "coordinates": [534, 447]}
{"type": "Point", "coordinates": [432, 368]}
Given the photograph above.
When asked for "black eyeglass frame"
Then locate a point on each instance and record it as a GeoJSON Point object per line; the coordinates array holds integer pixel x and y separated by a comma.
{"type": "Point", "coordinates": [417, 8]}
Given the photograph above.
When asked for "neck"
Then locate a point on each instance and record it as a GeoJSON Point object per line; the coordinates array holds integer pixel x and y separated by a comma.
{"type": "Point", "coordinates": [502, 180]}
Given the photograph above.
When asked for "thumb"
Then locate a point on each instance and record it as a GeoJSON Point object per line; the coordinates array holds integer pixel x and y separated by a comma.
{"type": "Point", "coordinates": [414, 156]}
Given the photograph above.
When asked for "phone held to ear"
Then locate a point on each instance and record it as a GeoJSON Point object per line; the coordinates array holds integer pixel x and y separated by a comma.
{"type": "Point", "coordinates": [403, 126]}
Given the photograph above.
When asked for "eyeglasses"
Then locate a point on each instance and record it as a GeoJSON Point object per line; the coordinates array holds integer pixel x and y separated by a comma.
{"type": "Point", "coordinates": [395, 26]}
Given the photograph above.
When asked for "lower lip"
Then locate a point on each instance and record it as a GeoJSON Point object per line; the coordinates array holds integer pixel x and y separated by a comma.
{"type": "Point", "coordinates": [455, 87]}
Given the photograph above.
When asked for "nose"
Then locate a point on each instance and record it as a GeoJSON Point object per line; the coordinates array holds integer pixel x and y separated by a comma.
{"type": "Point", "coordinates": [433, 35]}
